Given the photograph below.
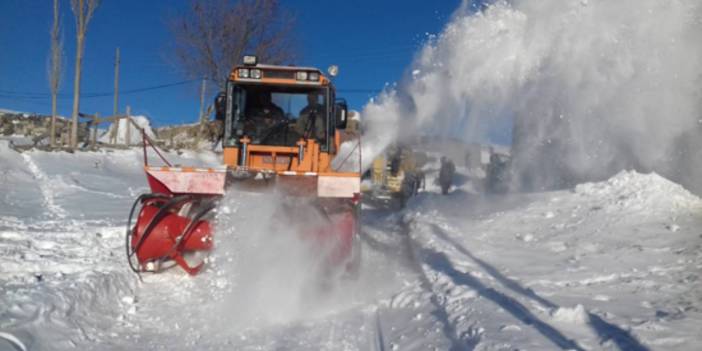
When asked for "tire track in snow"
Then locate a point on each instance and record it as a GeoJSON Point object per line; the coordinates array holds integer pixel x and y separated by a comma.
{"type": "Point", "coordinates": [404, 253]}
{"type": "Point", "coordinates": [605, 330]}
{"type": "Point", "coordinates": [460, 340]}
{"type": "Point", "coordinates": [44, 187]}
{"type": "Point", "coordinates": [379, 338]}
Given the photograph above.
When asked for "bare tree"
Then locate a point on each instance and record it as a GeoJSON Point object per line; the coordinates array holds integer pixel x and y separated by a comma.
{"type": "Point", "coordinates": [212, 36]}
{"type": "Point", "coordinates": [55, 68]}
{"type": "Point", "coordinates": [83, 11]}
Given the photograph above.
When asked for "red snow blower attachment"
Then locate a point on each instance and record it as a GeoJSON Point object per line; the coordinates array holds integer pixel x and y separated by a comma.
{"type": "Point", "coordinates": [167, 228]}
{"type": "Point", "coordinates": [173, 220]}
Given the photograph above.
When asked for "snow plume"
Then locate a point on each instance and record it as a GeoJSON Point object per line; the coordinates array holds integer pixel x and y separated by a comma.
{"type": "Point", "coordinates": [267, 267]}
{"type": "Point", "coordinates": [589, 86]}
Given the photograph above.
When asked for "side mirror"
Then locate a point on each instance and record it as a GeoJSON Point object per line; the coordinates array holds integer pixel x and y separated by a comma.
{"type": "Point", "coordinates": [220, 106]}
{"type": "Point", "coordinates": [342, 114]}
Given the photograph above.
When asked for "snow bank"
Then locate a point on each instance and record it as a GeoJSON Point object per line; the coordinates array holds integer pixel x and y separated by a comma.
{"type": "Point", "coordinates": [19, 192]}
{"type": "Point", "coordinates": [134, 133]}
{"type": "Point", "coordinates": [5, 147]}
{"type": "Point", "coordinates": [635, 191]}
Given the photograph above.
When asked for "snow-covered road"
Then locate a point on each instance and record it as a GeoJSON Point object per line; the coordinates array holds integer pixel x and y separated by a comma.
{"type": "Point", "coordinates": [608, 265]}
{"type": "Point", "coordinates": [611, 265]}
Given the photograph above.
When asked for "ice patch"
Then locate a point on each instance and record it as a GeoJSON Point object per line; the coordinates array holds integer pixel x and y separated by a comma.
{"type": "Point", "coordinates": [599, 279]}
{"type": "Point", "coordinates": [601, 298]}
{"type": "Point", "coordinates": [129, 300]}
{"type": "Point", "coordinates": [575, 315]}
{"type": "Point", "coordinates": [510, 327]}
{"type": "Point", "coordinates": [525, 237]}
{"type": "Point", "coordinates": [557, 246]}
{"type": "Point", "coordinates": [673, 227]}
{"type": "Point", "coordinates": [11, 236]}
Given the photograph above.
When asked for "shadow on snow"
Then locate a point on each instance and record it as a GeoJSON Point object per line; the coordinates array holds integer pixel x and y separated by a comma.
{"type": "Point", "coordinates": [606, 331]}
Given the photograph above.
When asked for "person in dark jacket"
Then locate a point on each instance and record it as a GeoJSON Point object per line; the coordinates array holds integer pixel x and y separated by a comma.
{"type": "Point", "coordinates": [311, 122]}
{"type": "Point", "coordinates": [446, 173]}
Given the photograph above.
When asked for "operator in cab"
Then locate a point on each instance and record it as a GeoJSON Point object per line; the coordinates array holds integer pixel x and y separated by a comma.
{"type": "Point", "coordinates": [263, 108]}
{"type": "Point", "coordinates": [311, 122]}
{"type": "Point", "coordinates": [262, 115]}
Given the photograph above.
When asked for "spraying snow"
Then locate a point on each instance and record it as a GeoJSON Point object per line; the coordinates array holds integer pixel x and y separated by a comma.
{"type": "Point", "coordinates": [266, 265]}
{"type": "Point", "coordinates": [590, 87]}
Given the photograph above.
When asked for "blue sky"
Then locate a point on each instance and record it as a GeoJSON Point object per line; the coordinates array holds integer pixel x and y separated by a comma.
{"type": "Point", "coordinates": [373, 42]}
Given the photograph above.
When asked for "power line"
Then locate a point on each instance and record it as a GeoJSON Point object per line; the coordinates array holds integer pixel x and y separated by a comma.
{"type": "Point", "coordinates": [359, 91]}
{"type": "Point", "coordinates": [39, 96]}
{"type": "Point", "coordinates": [139, 90]}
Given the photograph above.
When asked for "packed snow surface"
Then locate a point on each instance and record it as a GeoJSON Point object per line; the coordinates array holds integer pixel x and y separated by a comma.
{"type": "Point", "coordinates": [610, 265]}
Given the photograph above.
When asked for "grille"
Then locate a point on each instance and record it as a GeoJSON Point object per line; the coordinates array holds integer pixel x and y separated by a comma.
{"type": "Point", "coordinates": [279, 74]}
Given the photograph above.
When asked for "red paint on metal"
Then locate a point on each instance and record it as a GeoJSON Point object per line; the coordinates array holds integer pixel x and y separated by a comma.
{"type": "Point", "coordinates": [177, 182]}
{"type": "Point", "coordinates": [161, 241]}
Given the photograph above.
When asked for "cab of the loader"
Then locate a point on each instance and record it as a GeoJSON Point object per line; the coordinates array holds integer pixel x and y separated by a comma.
{"type": "Point", "coordinates": [274, 117]}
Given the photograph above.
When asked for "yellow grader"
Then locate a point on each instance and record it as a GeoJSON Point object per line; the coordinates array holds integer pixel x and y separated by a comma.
{"type": "Point", "coordinates": [395, 174]}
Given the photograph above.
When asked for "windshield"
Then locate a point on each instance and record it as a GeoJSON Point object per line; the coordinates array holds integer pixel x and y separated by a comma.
{"type": "Point", "coordinates": [276, 115]}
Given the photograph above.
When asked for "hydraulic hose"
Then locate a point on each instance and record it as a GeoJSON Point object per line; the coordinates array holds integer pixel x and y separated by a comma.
{"type": "Point", "coordinates": [139, 200]}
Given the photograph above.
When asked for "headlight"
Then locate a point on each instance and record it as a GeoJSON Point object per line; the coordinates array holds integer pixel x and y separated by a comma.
{"type": "Point", "coordinates": [256, 73]}
{"type": "Point", "coordinates": [250, 60]}
{"type": "Point", "coordinates": [243, 73]}
{"type": "Point", "coordinates": [314, 76]}
{"type": "Point", "coordinates": [302, 75]}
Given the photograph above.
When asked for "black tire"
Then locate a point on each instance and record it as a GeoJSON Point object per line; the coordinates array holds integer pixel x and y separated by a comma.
{"type": "Point", "coordinates": [444, 189]}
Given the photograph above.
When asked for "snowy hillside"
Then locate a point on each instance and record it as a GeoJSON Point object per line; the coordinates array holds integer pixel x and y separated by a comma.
{"type": "Point", "coordinates": [612, 265]}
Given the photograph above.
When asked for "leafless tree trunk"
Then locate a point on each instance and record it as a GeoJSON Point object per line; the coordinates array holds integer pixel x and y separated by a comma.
{"type": "Point", "coordinates": [202, 117]}
{"type": "Point", "coordinates": [83, 11]}
{"type": "Point", "coordinates": [212, 36]}
{"type": "Point", "coordinates": [55, 68]}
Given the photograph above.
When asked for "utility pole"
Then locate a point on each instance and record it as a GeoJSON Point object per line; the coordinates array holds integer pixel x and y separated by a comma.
{"type": "Point", "coordinates": [116, 106]}
{"type": "Point", "coordinates": [202, 107]}
{"type": "Point", "coordinates": [129, 126]}
{"type": "Point", "coordinates": [96, 122]}
{"type": "Point", "coordinates": [83, 11]}
{"type": "Point", "coordinates": [56, 67]}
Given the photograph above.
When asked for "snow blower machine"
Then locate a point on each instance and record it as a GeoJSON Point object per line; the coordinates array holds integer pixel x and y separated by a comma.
{"type": "Point", "coordinates": [282, 131]}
